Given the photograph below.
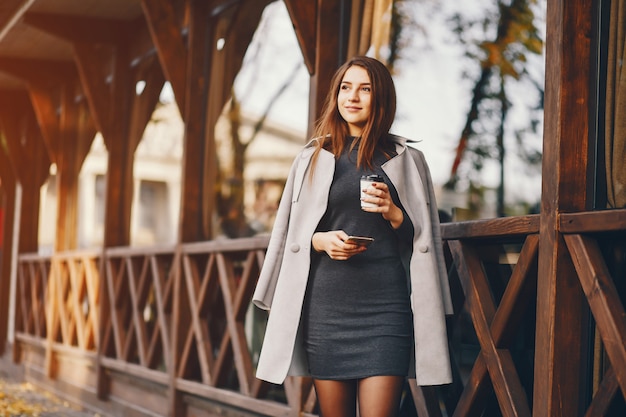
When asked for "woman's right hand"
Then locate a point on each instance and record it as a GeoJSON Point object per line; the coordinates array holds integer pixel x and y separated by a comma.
{"type": "Point", "coordinates": [332, 242]}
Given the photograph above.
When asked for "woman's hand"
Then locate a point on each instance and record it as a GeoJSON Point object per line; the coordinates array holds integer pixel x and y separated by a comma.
{"type": "Point", "coordinates": [333, 244]}
{"type": "Point", "coordinates": [378, 193]}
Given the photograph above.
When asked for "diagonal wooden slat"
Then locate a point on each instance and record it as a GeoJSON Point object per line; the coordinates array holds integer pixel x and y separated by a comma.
{"type": "Point", "coordinates": [498, 362]}
{"type": "Point", "coordinates": [603, 397]}
{"type": "Point", "coordinates": [235, 328]}
{"type": "Point", "coordinates": [37, 316]}
{"type": "Point", "coordinates": [137, 321]}
{"type": "Point", "coordinates": [199, 329]}
{"type": "Point", "coordinates": [28, 306]}
{"type": "Point", "coordinates": [52, 318]}
{"type": "Point", "coordinates": [425, 398]}
{"type": "Point", "coordinates": [259, 387]}
{"type": "Point", "coordinates": [93, 299]}
{"type": "Point", "coordinates": [42, 271]}
{"type": "Point", "coordinates": [64, 322]}
{"type": "Point", "coordinates": [603, 299]}
{"type": "Point", "coordinates": [23, 297]}
{"type": "Point", "coordinates": [76, 282]}
{"type": "Point", "coordinates": [114, 321]}
{"type": "Point", "coordinates": [506, 319]}
{"type": "Point", "coordinates": [161, 295]}
{"type": "Point", "coordinates": [245, 289]}
{"type": "Point", "coordinates": [167, 36]}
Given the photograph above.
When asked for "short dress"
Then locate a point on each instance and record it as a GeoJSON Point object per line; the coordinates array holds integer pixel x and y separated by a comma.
{"type": "Point", "coordinates": [357, 319]}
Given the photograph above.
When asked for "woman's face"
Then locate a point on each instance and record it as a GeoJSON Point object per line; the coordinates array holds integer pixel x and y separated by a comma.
{"type": "Point", "coordinates": [354, 99]}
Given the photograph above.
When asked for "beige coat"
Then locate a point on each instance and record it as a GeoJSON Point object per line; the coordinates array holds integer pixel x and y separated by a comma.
{"type": "Point", "coordinates": [283, 278]}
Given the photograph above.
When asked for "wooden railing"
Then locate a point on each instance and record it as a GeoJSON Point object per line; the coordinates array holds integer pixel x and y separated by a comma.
{"type": "Point", "coordinates": [171, 330]}
{"type": "Point", "coordinates": [597, 244]}
{"type": "Point", "coordinates": [494, 287]}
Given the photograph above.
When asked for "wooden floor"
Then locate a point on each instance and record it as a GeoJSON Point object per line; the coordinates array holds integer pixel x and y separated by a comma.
{"type": "Point", "coordinates": [19, 395]}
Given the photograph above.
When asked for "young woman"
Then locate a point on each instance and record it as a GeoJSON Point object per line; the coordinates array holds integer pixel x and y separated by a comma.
{"type": "Point", "coordinates": [357, 318]}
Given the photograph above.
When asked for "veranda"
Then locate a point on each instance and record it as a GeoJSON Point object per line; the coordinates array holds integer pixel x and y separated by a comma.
{"type": "Point", "coordinates": [166, 330]}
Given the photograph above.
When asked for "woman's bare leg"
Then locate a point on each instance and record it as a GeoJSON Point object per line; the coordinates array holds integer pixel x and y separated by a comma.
{"type": "Point", "coordinates": [379, 396]}
{"type": "Point", "coordinates": [336, 398]}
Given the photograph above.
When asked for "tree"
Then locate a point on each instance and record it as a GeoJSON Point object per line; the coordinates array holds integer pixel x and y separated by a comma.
{"type": "Point", "coordinates": [272, 64]}
{"type": "Point", "coordinates": [502, 60]}
{"type": "Point", "coordinates": [234, 222]}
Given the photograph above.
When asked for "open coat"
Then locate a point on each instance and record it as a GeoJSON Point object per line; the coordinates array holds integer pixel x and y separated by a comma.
{"type": "Point", "coordinates": [283, 278]}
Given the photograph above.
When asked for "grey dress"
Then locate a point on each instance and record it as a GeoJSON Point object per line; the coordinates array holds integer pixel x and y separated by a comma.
{"type": "Point", "coordinates": [357, 316]}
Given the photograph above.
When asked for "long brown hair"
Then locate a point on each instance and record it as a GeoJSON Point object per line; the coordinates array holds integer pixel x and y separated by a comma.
{"type": "Point", "coordinates": [331, 129]}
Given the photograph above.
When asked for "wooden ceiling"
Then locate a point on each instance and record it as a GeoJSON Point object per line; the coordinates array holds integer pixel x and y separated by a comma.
{"type": "Point", "coordinates": [19, 39]}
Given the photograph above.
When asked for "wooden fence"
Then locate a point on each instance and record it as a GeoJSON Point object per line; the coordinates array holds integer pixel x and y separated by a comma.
{"type": "Point", "coordinates": [170, 331]}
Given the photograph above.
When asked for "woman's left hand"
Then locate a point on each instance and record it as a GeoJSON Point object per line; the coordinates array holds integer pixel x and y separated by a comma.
{"type": "Point", "coordinates": [378, 194]}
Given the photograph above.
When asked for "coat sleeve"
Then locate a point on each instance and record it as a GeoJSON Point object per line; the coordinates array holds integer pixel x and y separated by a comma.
{"type": "Point", "coordinates": [268, 277]}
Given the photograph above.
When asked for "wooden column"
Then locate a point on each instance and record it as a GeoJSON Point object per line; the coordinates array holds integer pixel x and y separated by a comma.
{"type": "Point", "coordinates": [121, 116]}
{"type": "Point", "coordinates": [8, 182]}
{"type": "Point", "coordinates": [68, 130]}
{"type": "Point", "coordinates": [26, 162]}
{"type": "Point", "coordinates": [567, 163]}
{"type": "Point", "coordinates": [324, 43]}
{"type": "Point", "coordinates": [104, 52]}
{"type": "Point", "coordinates": [201, 76]}
{"type": "Point", "coordinates": [187, 63]}
{"type": "Point", "coordinates": [31, 161]}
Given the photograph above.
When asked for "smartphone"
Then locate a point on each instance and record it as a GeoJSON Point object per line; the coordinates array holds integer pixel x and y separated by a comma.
{"type": "Point", "coordinates": [359, 240]}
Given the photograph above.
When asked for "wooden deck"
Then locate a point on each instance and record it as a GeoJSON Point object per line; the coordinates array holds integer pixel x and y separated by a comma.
{"type": "Point", "coordinates": [539, 326]}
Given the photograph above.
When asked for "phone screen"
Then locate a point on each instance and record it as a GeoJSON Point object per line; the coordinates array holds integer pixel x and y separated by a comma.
{"type": "Point", "coordinates": [359, 240]}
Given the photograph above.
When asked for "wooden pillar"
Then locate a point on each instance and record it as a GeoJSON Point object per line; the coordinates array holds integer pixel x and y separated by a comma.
{"type": "Point", "coordinates": [77, 132]}
{"type": "Point", "coordinates": [324, 43]}
{"type": "Point", "coordinates": [25, 161]}
{"type": "Point", "coordinates": [8, 182]}
{"type": "Point", "coordinates": [201, 87]}
{"type": "Point", "coordinates": [31, 164]}
{"type": "Point", "coordinates": [31, 161]}
{"type": "Point", "coordinates": [567, 163]}
{"type": "Point", "coordinates": [121, 115]}
{"type": "Point", "coordinates": [66, 127]}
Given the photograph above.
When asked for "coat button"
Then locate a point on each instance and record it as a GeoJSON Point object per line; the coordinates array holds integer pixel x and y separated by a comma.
{"type": "Point", "coordinates": [295, 247]}
{"type": "Point", "coordinates": [423, 248]}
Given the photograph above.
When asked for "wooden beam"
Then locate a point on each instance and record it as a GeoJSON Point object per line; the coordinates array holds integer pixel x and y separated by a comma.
{"type": "Point", "coordinates": [144, 103]}
{"type": "Point", "coordinates": [560, 338]}
{"type": "Point", "coordinates": [121, 147]}
{"type": "Point", "coordinates": [166, 32]}
{"type": "Point", "coordinates": [23, 139]}
{"type": "Point", "coordinates": [93, 30]}
{"type": "Point", "coordinates": [11, 13]}
{"type": "Point", "coordinates": [46, 111]}
{"type": "Point", "coordinates": [304, 15]}
{"type": "Point", "coordinates": [330, 49]}
{"type": "Point", "coordinates": [240, 30]}
{"type": "Point", "coordinates": [358, 20]}
{"type": "Point", "coordinates": [604, 300]}
{"type": "Point", "coordinates": [593, 221]}
{"type": "Point", "coordinates": [32, 165]}
{"type": "Point", "coordinates": [67, 176]}
{"type": "Point", "coordinates": [91, 61]}
{"type": "Point", "coordinates": [197, 187]}
{"type": "Point", "coordinates": [79, 28]}
{"type": "Point", "coordinates": [43, 72]}
{"type": "Point", "coordinates": [197, 184]}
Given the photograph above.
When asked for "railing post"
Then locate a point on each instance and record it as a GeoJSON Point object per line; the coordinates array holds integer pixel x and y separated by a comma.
{"type": "Point", "coordinates": [567, 182]}
{"type": "Point", "coordinates": [180, 315]}
{"type": "Point", "coordinates": [102, 381]}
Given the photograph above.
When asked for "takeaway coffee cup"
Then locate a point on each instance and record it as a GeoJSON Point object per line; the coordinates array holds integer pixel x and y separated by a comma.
{"type": "Point", "coordinates": [366, 181]}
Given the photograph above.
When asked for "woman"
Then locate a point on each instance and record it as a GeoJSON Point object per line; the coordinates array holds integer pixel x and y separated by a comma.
{"type": "Point", "coordinates": [358, 319]}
